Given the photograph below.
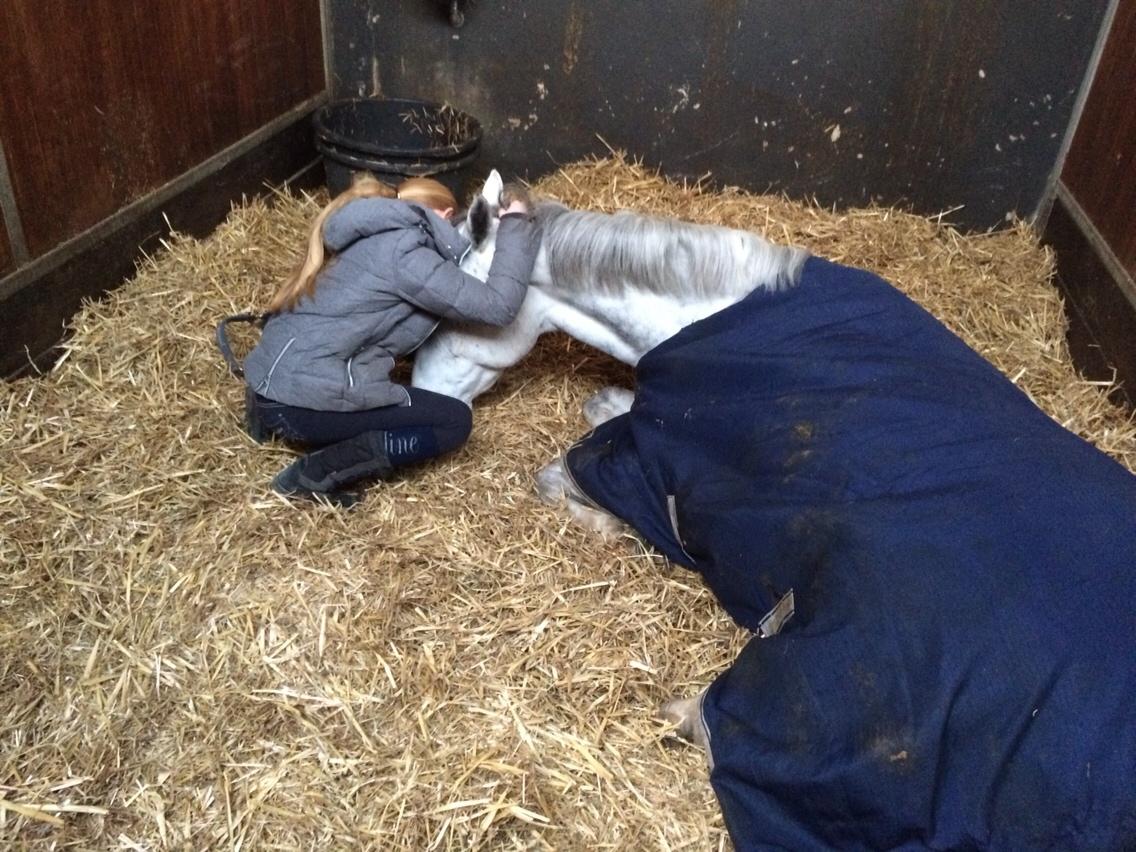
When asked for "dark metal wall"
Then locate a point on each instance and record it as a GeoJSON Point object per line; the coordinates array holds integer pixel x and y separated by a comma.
{"type": "Point", "coordinates": [928, 103]}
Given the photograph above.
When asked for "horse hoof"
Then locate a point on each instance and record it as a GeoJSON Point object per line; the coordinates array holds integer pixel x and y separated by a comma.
{"type": "Point", "coordinates": [597, 520]}
{"type": "Point", "coordinates": [686, 715]}
{"type": "Point", "coordinates": [552, 483]}
{"type": "Point", "coordinates": [608, 404]}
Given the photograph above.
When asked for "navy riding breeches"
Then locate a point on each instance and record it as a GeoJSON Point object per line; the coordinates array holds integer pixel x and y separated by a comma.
{"type": "Point", "coordinates": [432, 424]}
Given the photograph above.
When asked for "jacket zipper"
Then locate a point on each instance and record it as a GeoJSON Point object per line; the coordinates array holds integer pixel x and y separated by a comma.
{"type": "Point", "coordinates": [263, 386]}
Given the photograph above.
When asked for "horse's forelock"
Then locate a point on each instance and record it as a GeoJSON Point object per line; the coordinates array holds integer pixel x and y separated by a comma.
{"type": "Point", "coordinates": [477, 221]}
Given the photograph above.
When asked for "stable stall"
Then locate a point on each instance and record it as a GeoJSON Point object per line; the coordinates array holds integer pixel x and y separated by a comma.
{"type": "Point", "coordinates": [188, 660]}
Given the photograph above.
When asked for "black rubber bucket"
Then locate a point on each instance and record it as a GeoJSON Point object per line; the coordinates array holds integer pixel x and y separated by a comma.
{"type": "Point", "coordinates": [396, 138]}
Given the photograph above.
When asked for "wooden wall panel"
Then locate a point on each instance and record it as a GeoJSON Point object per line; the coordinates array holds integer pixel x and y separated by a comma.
{"type": "Point", "coordinates": [1091, 225]}
{"type": "Point", "coordinates": [5, 251]}
{"type": "Point", "coordinates": [1100, 171]}
{"type": "Point", "coordinates": [36, 302]}
{"type": "Point", "coordinates": [105, 100]}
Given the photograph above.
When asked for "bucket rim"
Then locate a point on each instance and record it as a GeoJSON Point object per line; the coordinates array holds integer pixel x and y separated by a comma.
{"type": "Point", "coordinates": [338, 140]}
{"type": "Point", "coordinates": [403, 166]}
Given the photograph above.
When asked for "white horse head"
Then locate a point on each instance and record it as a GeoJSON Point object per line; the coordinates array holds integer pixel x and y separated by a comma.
{"type": "Point", "coordinates": [480, 227]}
{"type": "Point", "coordinates": [463, 360]}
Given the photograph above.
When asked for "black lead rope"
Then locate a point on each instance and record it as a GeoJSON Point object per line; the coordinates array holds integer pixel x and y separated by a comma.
{"type": "Point", "coordinates": [223, 339]}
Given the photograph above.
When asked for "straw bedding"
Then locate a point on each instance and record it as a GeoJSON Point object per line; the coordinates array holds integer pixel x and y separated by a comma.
{"type": "Point", "coordinates": [188, 661]}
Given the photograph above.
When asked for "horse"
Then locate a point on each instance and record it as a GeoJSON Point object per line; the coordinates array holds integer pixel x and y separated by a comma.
{"type": "Point", "coordinates": [893, 519]}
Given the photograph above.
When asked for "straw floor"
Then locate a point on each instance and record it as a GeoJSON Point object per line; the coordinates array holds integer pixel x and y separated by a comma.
{"type": "Point", "coordinates": [188, 661]}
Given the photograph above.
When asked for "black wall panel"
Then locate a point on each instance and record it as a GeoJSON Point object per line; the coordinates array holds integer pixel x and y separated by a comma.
{"type": "Point", "coordinates": [927, 103]}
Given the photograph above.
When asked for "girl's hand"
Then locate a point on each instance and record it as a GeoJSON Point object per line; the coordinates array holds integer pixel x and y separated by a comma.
{"type": "Point", "coordinates": [514, 199]}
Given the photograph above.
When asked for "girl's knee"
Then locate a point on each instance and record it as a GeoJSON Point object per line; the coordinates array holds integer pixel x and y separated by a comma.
{"type": "Point", "coordinates": [455, 431]}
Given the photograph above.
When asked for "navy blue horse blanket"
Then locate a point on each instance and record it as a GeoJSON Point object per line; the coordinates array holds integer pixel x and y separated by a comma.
{"type": "Point", "coordinates": [959, 670]}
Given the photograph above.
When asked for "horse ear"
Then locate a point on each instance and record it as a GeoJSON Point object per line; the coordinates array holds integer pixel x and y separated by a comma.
{"type": "Point", "coordinates": [491, 192]}
{"type": "Point", "coordinates": [478, 218]}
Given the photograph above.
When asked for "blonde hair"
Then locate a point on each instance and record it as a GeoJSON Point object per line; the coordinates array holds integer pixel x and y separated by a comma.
{"type": "Point", "coordinates": [302, 282]}
{"type": "Point", "coordinates": [427, 192]}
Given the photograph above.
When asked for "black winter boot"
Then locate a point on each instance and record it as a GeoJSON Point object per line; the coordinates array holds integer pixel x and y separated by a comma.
{"type": "Point", "coordinates": [327, 472]}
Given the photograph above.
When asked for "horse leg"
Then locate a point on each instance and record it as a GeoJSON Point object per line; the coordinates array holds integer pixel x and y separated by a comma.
{"type": "Point", "coordinates": [607, 404]}
{"type": "Point", "coordinates": [686, 715]}
{"type": "Point", "coordinates": [555, 487]}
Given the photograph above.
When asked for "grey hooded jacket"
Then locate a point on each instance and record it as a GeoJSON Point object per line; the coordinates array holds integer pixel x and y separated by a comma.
{"type": "Point", "coordinates": [394, 277]}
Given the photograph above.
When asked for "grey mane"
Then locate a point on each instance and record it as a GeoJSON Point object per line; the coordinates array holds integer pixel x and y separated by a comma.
{"type": "Point", "coordinates": [667, 256]}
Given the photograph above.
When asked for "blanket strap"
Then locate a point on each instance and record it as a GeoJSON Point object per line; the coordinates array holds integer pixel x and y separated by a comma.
{"type": "Point", "coordinates": [223, 339]}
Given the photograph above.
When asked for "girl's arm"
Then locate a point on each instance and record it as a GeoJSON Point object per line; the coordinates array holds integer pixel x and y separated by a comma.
{"type": "Point", "coordinates": [449, 293]}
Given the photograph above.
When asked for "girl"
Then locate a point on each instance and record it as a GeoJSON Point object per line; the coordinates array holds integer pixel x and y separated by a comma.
{"type": "Point", "coordinates": [320, 375]}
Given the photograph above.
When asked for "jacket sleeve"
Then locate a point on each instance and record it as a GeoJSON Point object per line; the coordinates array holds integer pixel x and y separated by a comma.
{"type": "Point", "coordinates": [449, 293]}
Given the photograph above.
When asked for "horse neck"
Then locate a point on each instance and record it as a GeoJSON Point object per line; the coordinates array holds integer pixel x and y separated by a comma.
{"type": "Point", "coordinates": [625, 326]}
{"type": "Point", "coordinates": [677, 274]}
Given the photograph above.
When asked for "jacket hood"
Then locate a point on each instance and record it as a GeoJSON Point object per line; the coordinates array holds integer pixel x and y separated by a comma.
{"type": "Point", "coordinates": [446, 236]}
{"type": "Point", "coordinates": [365, 217]}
